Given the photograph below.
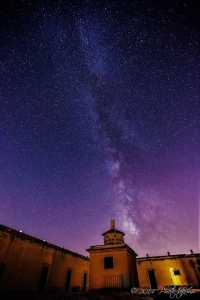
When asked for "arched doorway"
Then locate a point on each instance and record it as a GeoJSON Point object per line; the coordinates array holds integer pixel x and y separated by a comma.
{"type": "Point", "coordinates": [84, 281]}
{"type": "Point", "coordinates": [152, 279]}
{"type": "Point", "coordinates": [43, 278]}
{"type": "Point", "coordinates": [68, 280]}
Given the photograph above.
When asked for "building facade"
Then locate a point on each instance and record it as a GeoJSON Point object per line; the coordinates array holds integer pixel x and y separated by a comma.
{"type": "Point", "coordinates": [112, 265]}
{"type": "Point", "coordinates": [175, 270]}
{"type": "Point", "coordinates": [33, 265]}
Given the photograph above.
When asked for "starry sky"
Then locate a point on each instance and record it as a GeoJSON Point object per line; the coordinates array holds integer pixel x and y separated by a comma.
{"type": "Point", "coordinates": [99, 121]}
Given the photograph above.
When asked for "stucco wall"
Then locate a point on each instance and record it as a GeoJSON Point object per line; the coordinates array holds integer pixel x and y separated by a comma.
{"type": "Point", "coordinates": [123, 264]}
{"type": "Point", "coordinates": [163, 268]}
{"type": "Point", "coordinates": [62, 262]}
{"type": "Point", "coordinates": [22, 259]}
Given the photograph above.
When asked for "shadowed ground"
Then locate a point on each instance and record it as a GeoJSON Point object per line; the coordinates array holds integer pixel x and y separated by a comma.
{"type": "Point", "coordinates": [70, 296]}
{"type": "Point", "coordinates": [89, 296]}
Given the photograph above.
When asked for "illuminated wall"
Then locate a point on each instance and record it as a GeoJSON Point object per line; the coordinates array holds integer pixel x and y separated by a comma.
{"type": "Point", "coordinates": [30, 264]}
{"type": "Point", "coordinates": [169, 270]}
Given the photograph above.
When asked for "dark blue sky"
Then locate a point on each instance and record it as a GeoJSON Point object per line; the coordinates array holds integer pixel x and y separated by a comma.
{"type": "Point", "coordinates": [99, 112]}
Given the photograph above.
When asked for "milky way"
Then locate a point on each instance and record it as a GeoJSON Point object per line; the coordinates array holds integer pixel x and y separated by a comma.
{"type": "Point", "coordinates": [100, 120]}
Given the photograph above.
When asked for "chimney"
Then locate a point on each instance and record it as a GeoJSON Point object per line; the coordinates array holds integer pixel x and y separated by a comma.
{"type": "Point", "coordinates": [112, 224]}
{"type": "Point", "coordinates": [168, 253]}
{"type": "Point", "coordinates": [191, 251]}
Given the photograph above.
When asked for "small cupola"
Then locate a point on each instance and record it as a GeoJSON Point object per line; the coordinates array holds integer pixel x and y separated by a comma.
{"type": "Point", "coordinates": [113, 236]}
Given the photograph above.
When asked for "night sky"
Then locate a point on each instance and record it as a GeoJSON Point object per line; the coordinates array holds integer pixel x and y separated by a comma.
{"type": "Point", "coordinates": [99, 121]}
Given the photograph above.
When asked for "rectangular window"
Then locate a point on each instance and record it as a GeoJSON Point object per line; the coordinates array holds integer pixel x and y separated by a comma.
{"type": "Point", "coordinates": [108, 262]}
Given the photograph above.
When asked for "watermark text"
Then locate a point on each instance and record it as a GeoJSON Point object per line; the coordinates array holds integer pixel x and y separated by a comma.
{"type": "Point", "coordinates": [173, 291]}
